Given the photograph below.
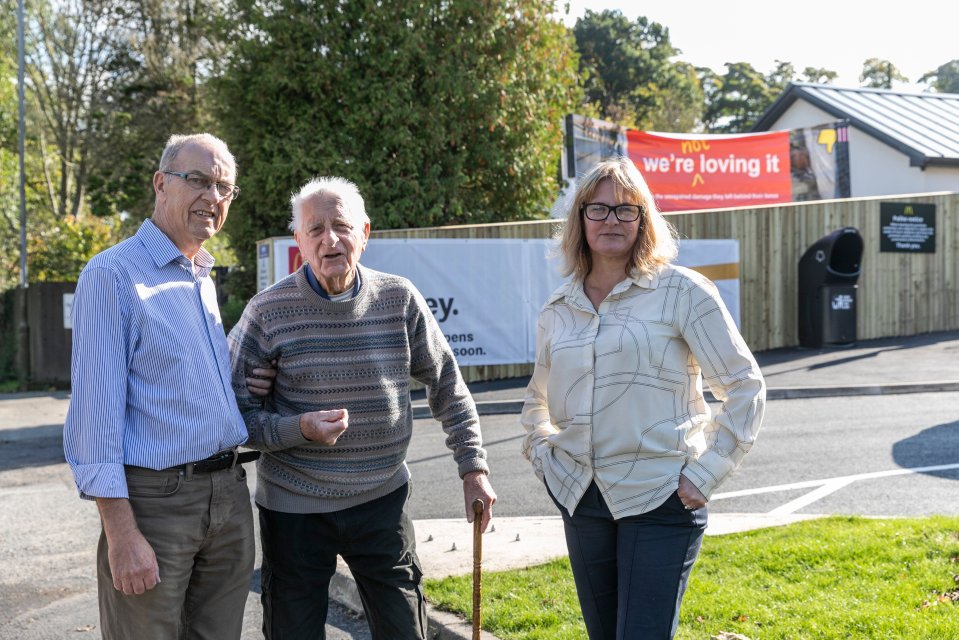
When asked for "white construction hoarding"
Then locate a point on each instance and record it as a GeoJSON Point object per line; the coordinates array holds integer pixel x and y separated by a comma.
{"type": "Point", "coordinates": [486, 294]}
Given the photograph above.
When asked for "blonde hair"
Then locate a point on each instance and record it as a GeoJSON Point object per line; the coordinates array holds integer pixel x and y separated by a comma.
{"type": "Point", "coordinates": [656, 242]}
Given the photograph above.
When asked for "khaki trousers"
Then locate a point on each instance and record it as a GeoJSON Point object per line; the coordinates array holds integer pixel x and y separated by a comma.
{"type": "Point", "coordinates": [201, 529]}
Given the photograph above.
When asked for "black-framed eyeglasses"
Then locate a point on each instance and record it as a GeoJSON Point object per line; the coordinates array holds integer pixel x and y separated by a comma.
{"type": "Point", "coordinates": [598, 211]}
{"type": "Point", "coordinates": [201, 182]}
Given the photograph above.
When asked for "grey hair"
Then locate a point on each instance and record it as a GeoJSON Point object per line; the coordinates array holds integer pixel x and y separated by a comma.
{"type": "Point", "coordinates": [176, 142]}
{"type": "Point", "coordinates": [340, 188]}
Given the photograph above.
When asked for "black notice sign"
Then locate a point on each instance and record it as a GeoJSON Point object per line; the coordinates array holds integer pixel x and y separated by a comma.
{"type": "Point", "coordinates": [907, 227]}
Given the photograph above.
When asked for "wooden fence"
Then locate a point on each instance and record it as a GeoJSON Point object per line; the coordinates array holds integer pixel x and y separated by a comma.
{"type": "Point", "coordinates": [899, 294]}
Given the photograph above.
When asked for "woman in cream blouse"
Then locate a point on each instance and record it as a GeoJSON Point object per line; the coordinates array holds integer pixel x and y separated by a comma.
{"type": "Point", "coordinates": [616, 421]}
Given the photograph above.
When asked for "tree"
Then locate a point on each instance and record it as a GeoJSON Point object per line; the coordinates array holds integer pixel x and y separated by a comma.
{"type": "Point", "coordinates": [628, 73]}
{"type": "Point", "coordinates": [442, 111]}
{"type": "Point", "coordinates": [819, 76]}
{"type": "Point", "coordinates": [674, 105]}
{"type": "Point", "coordinates": [108, 81]}
{"type": "Point", "coordinates": [165, 51]}
{"type": "Point", "coordinates": [880, 74]}
{"type": "Point", "coordinates": [71, 76]}
{"type": "Point", "coordinates": [738, 98]}
{"type": "Point", "coordinates": [779, 78]}
{"type": "Point", "coordinates": [945, 79]}
{"type": "Point", "coordinates": [61, 247]}
{"type": "Point", "coordinates": [9, 158]}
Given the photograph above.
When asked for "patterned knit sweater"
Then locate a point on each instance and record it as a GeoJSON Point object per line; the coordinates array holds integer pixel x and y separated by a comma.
{"type": "Point", "coordinates": [357, 354]}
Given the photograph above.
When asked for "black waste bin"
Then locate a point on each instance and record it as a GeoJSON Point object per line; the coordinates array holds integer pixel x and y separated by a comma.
{"type": "Point", "coordinates": [828, 273]}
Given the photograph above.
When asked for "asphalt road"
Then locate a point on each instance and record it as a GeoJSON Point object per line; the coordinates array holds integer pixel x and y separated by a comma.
{"type": "Point", "coordinates": [802, 441]}
{"type": "Point", "coordinates": [48, 539]}
{"type": "Point", "coordinates": [832, 455]}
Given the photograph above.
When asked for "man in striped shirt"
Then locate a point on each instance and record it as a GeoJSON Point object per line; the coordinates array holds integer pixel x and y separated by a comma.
{"type": "Point", "coordinates": [153, 425]}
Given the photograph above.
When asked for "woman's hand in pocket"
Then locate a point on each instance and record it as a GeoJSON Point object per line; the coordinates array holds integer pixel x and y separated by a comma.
{"type": "Point", "coordinates": [689, 494]}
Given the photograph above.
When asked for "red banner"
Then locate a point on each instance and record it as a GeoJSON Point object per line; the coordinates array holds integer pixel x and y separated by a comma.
{"type": "Point", "coordinates": [296, 260]}
{"type": "Point", "coordinates": [713, 172]}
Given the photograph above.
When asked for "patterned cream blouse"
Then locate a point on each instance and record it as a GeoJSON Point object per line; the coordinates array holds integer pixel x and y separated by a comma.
{"type": "Point", "coordinates": [616, 395]}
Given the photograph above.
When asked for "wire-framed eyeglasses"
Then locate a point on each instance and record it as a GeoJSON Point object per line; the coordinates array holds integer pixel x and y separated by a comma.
{"type": "Point", "coordinates": [201, 182]}
{"type": "Point", "coordinates": [599, 212]}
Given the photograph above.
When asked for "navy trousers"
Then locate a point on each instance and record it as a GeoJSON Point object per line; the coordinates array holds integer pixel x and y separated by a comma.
{"type": "Point", "coordinates": [631, 573]}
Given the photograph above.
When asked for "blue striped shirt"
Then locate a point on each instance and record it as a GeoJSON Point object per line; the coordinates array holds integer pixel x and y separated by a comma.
{"type": "Point", "coordinates": [151, 368]}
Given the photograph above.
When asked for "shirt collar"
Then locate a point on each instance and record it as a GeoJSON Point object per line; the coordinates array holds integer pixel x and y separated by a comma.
{"type": "Point", "coordinates": [318, 288]}
{"type": "Point", "coordinates": [163, 251]}
{"type": "Point", "coordinates": [573, 291]}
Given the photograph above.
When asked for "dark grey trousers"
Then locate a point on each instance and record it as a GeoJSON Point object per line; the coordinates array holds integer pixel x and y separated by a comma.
{"type": "Point", "coordinates": [376, 541]}
{"type": "Point", "coordinates": [631, 573]}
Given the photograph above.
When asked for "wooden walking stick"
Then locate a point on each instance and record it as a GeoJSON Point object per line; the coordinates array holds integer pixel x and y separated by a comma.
{"type": "Point", "coordinates": [478, 507]}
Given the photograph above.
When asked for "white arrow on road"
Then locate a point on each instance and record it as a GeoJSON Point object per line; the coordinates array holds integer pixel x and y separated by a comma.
{"type": "Point", "coordinates": [824, 487]}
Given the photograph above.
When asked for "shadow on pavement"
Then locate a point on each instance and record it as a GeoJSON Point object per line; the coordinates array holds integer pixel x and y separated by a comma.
{"type": "Point", "coordinates": [938, 445]}
{"type": "Point", "coordinates": [840, 361]}
{"type": "Point", "coordinates": [31, 447]}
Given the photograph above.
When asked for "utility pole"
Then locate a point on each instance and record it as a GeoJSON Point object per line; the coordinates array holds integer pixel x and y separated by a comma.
{"type": "Point", "coordinates": [23, 352]}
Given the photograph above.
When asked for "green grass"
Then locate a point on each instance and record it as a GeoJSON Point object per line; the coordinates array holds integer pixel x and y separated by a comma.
{"type": "Point", "coordinates": [838, 577]}
{"type": "Point", "coordinates": [9, 386]}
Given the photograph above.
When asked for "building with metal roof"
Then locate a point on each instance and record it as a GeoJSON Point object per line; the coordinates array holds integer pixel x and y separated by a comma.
{"type": "Point", "coordinates": [899, 142]}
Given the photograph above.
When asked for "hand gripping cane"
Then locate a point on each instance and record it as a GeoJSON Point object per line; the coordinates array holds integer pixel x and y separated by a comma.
{"type": "Point", "coordinates": [478, 507]}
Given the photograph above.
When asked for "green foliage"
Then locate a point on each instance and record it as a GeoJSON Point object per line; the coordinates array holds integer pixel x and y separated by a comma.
{"type": "Point", "coordinates": [442, 111]}
{"type": "Point", "coordinates": [231, 312]}
{"type": "Point", "coordinates": [833, 578]}
{"type": "Point", "coordinates": [59, 250]}
{"type": "Point", "coordinates": [628, 73]}
{"type": "Point", "coordinates": [737, 99]}
{"type": "Point", "coordinates": [9, 170]}
{"type": "Point", "coordinates": [880, 74]}
{"type": "Point", "coordinates": [9, 154]}
{"type": "Point", "coordinates": [70, 83]}
{"type": "Point", "coordinates": [8, 73]}
{"type": "Point", "coordinates": [944, 79]}
{"type": "Point", "coordinates": [536, 603]}
{"type": "Point", "coordinates": [109, 81]}
{"type": "Point", "coordinates": [819, 76]}
{"type": "Point", "coordinates": [163, 52]}
{"type": "Point", "coordinates": [780, 77]}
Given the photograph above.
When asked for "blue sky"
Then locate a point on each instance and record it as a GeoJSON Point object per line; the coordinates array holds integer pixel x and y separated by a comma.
{"type": "Point", "coordinates": [915, 35]}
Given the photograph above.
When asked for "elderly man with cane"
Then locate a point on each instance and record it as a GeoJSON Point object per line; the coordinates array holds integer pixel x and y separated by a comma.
{"type": "Point", "coordinates": [334, 432]}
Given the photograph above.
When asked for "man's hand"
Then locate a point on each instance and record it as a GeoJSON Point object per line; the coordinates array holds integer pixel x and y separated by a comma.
{"type": "Point", "coordinates": [260, 381]}
{"type": "Point", "coordinates": [133, 563]}
{"type": "Point", "coordinates": [324, 426]}
{"type": "Point", "coordinates": [476, 485]}
{"type": "Point", "coordinates": [689, 494]}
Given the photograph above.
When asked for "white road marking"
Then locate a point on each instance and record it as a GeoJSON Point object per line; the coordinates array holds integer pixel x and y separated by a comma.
{"type": "Point", "coordinates": [826, 486]}
{"type": "Point", "coordinates": [809, 498]}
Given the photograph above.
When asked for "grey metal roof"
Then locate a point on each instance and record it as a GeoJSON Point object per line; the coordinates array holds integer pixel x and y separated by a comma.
{"type": "Point", "coordinates": [924, 126]}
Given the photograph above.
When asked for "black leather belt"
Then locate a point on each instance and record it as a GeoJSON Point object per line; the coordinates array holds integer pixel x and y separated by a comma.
{"type": "Point", "coordinates": [220, 461]}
